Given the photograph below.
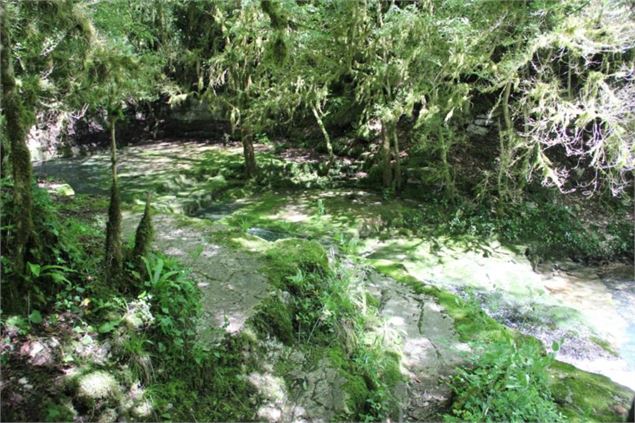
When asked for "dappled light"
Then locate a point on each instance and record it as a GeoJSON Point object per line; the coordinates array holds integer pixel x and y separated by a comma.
{"type": "Point", "coordinates": [298, 211]}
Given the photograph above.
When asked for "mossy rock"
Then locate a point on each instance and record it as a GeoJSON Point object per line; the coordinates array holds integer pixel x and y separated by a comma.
{"type": "Point", "coordinates": [583, 396]}
{"type": "Point", "coordinates": [356, 394]}
{"type": "Point", "coordinates": [97, 386]}
{"type": "Point", "coordinates": [288, 256]}
{"type": "Point", "coordinates": [356, 390]}
{"type": "Point", "coordinates": [63, 190]}
{"type": "Point", "coordinates": [274, 318]}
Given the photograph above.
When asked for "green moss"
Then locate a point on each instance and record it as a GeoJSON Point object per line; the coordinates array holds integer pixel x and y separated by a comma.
{"type": "Point", "coordinates": [470, 321]}
{"type": "Point", "coordinates": [372, 301]}
{"type": "Point", "coordinates": [59, 412]}
{"type": "Point", "coordinates": [357, 394]}
{"type": "Point", "coordinates": [274, 318]}
{"type": "Point", "coordinates": [583, 396]}
{"type": "Point", "coordinates": [288, 256]}
{"type": "Point", "coordinates": [356, 390]}
{"type": "Point", "coordinates": [143, 236]}
{"type": "Point", "coordinates": [605, 345]}
{"type": "Point", "coordinates": [391, 369]}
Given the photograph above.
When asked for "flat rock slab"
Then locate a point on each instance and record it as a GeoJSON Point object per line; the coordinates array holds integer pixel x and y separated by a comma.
{"type": "Point", "coordinates": [430, 347]}
{"type": "Point", "coordinates": [231, 282]}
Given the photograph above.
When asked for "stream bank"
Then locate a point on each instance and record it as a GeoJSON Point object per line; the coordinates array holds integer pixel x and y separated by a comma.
{"type": "Point", "coordinates": [504, 281]}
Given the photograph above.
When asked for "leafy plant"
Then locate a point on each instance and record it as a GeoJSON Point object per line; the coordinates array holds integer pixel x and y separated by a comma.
{"type": "Point", "coordinates": [506, 381]}
{"type": "Point", "coordinates": [175, 305]}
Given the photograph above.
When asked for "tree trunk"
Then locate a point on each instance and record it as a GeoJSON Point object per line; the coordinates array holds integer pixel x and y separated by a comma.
{"type": "Point", "coordinates": [250, 156]}
{"type": "Point", "coordinates": [17, 122]}
{"type": "Point", "coordinates": [505, 139]}
{"type": "Point", "coordinates": [447, 174]}
{"type": "Point", "coordinates": [114, 252]}
{"type": "Point", "coordinates": [327, 139]}
{"type": "Point", "coordinates": [397, 175]}
{"type": "Point", "coordinates": [385, 157]}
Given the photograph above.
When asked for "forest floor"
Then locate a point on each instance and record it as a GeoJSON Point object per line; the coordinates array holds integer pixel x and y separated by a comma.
{"type": "Point", "coordinates": [219, 227]}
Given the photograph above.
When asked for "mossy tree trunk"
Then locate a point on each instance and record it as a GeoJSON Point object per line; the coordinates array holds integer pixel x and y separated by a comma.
{"type": "Point", "coordinates": [114, 248]}
{"type": "Point", "coordinates": [385, 157]}
{"type": "Point", "coordinates": [250, 156]}
{"type": "Point", "coordinates": [17, 124]}
{"type": "Point", "coordinates": [505, 145]}
{"type": "Point", "coordinates": [327, 138]}
{"type": "Point", "coordinates": [448, 180]}
{"type": "Point", "coordinates": [143, 236]}
{"type": "Point", "coordinates": [397, 173]}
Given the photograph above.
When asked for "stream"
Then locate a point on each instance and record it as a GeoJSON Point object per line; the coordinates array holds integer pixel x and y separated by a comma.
{"type": "Point", "coordinates": [588, 310]}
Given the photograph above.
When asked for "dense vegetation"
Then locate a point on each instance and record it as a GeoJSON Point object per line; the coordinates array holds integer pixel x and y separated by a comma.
{"type": "Point", "coordinates": [507, 120]}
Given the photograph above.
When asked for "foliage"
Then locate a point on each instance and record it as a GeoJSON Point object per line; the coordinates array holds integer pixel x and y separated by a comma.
{"type": "Point", "coordinates": [508, 382]}
{"type": "Point", "coordinates": [175, 305]}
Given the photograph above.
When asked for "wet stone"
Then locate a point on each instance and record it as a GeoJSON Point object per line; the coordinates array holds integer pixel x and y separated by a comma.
{"type": "Point", "coordinates": [268, 235]}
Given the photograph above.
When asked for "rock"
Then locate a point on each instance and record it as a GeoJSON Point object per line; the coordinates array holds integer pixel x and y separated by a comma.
{"type": "Point", "coordinates": [477, 130]}
{"type": "Point", "coordinates": [269, 386]}
{"type": "Point", "coordinates": [39, 353]}
{"type": "Point", "coordinates": [63, 190]}
{"type": "Point", "coordinates": [97, 385]}
{"type": "Point", "coordinates": [138, 315]}
{"type": "Point", "coordinates": [324, 397]}
{"type": "Point", "coordinates": [270, 414]}
{"type": "Point", "coordinates": [417, 326]}
{"type": "Point", "coordinates": [142, 410]}
{"type": "Point", "coordinates": [109, 415]}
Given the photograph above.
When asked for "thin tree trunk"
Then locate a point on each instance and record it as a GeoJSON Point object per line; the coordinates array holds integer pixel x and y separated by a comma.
{"type": "Point", "coordinates": [447, 175]}
{"type": "Point", "coordinates": [17, 126]}
{"type": "Point", "coordinates": [397, 176]}
{"type": "Point", "coordinates": [385, 157]}
{"type": "Point", "coordinates": [327, 139]}
{"type": "Point", "coordinates": [250, 156]}
{"type": "Point", "coordinates": [505, 146]}
{"type": "Point", "coordinates": [114, 252]}
{"type": "Point", "coordinates": [570, 76]}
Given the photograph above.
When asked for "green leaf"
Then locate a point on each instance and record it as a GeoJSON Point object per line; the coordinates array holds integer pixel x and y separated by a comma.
{"type": "Point", "coordinates": [107, 327]}
{"type": "Point", "coordinates": [34, 269]}
{"type": "Point", "coordinates": [35, 317]}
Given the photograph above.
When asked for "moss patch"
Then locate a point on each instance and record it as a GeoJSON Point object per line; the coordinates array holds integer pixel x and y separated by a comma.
{"type": "Point", "coordinates": [289, 256]}
{"type": "Point", "coordinates": [274, 317]}
{"type": "Point", "coordinates": [584, 397]}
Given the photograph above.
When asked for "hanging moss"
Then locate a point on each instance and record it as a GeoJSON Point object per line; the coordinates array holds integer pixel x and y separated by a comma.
{"type": "Point", "coordinates": [144, 234]}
